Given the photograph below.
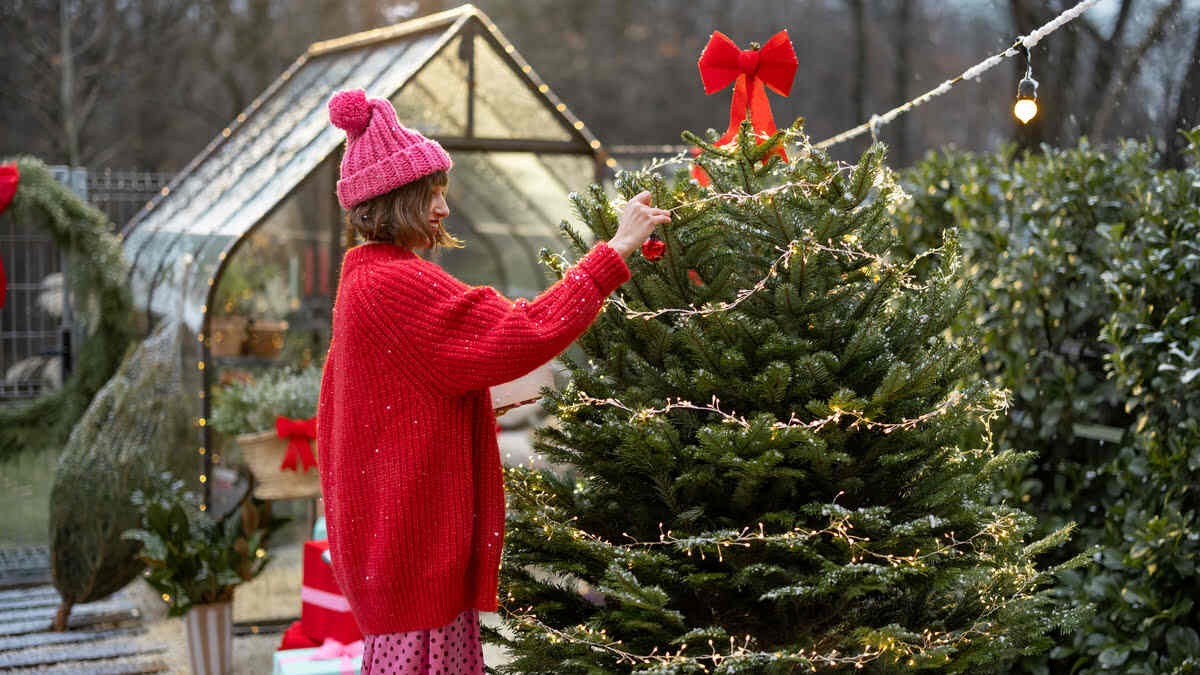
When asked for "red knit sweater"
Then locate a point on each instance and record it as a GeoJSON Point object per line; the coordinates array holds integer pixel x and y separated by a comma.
{"type": "Point", "coordinates": [410, 469]}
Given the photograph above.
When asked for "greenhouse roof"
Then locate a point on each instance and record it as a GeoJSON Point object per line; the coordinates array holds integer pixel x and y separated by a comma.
{"type": "Point", "coordinates": [451, 75]}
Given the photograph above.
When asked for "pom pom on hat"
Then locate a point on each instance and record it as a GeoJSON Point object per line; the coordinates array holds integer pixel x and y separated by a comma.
{"type": "Point", "coordinates": [381, 153]}
{"type": "Point", "coordinates": [350, 111]}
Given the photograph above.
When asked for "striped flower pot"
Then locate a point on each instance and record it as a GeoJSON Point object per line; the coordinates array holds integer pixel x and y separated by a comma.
{"type": "Point", "coordinates": [209, 630]}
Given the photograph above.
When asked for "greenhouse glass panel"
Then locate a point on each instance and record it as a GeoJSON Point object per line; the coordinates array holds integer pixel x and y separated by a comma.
{"type": "Point", "coordinates": [197, 191]}
{"type": "Point", "coordinates": [435, 101]}
{"type": "Point", "coordinates": [509, 205]}
{"type": "Point", "coordinates": [506, 106]}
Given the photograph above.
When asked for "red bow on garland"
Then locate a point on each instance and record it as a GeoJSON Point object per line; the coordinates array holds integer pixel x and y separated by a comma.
{"type": "Point", "coordinates": [750, 71]}
{"type": "Point", "coordinates": [10, 176]}
{"type": "Point", "coordinates": [299, 434]}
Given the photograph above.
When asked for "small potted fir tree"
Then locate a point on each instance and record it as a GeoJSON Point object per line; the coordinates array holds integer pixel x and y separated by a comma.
{"type": "Point", "coordinates": [196, 562]}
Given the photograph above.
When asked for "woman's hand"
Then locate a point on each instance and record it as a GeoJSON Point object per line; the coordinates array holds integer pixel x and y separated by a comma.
{"type": "Point", "coordinates": [638, 220]}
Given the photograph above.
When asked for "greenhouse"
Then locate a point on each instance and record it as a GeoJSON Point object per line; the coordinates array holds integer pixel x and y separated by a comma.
{"type": "Point", "coordinates": [244, 245]}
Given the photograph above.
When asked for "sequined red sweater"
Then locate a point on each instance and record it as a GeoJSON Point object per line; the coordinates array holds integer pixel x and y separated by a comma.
{"type": "Point", "coordinates": [410, 468]}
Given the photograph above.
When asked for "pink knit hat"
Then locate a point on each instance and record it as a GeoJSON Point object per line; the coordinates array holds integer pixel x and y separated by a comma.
{"type": "Point", "coordinates": [381, 154]}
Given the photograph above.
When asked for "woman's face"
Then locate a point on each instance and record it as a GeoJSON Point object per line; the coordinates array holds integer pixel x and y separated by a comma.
{"type": "Point", "coordinates": [438, 208]}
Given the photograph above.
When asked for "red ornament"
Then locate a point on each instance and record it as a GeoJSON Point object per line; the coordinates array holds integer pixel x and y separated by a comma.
{"type": "Point", "coordinates": [300, 434]}
{"type": "Point", "coordinates": [10, 176]}
{"type": "Point", "coordinates": [749, 70]}
{"type": "Point", "coordinates": [654, 248]}
{"type": "Point", "coordinates": [694, 276]}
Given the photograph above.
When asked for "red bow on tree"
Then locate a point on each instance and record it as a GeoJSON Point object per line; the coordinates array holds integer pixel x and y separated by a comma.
{"type": "Point", "coordinates": [750, 71]}
{"type": "Point", "coordinates": [300, 434]}
{"type": "Point", "coordinates": [9, 177]}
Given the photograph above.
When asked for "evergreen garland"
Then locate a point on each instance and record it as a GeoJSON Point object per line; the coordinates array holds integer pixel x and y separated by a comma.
{"type": "Point", "coordinates": [100, 299]}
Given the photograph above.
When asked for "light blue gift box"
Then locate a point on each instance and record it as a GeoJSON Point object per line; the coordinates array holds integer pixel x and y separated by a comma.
{"type": "Point", "coordinates": [296, 662]}
{"type": "Point", "coordinates": [319, 530]}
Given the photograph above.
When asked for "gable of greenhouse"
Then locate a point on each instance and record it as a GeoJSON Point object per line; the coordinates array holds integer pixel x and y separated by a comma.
{"type": "Point", "coordinates": [451, 75]}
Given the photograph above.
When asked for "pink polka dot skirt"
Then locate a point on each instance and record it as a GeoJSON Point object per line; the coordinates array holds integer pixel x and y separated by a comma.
{"type": "Point", "coordinates": [453, 649]}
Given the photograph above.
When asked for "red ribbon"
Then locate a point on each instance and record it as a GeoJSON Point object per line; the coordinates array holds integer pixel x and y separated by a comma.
{"type": "Point", "coordinates": [751, 72]}
{"type": "Point", "coordinates": [10, 176]}
{"type": "Point", "coordinates": [300, 434]}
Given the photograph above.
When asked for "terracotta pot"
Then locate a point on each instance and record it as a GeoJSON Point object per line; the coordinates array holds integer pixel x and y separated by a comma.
{"type": "Point", "coordinates": [226, 335]}
{"type": "Point", "coordinates": [265, 338]}
{"type": "Point", "coordinates": [264, 452]}
{"type": "Point", "coordinates": [209, 633]}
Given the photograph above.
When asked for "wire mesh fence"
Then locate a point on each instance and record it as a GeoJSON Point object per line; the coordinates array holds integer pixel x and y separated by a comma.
{"type": "Point", "coordinates": [120, 194]}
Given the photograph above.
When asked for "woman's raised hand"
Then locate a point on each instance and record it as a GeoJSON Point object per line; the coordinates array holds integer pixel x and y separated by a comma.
{"type": "Point", "coordinates": [638, 220]}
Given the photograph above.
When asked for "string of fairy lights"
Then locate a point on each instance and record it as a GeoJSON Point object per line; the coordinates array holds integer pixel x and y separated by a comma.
{"type": "Point", "coordinates": [841, 528]}
{"type": "Point", "coordinates": [1024, 581]}
{"type": "Point", "coordinates": [857, 419]}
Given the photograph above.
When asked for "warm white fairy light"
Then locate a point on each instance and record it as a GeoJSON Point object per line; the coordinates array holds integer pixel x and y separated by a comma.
{"type": "Point", "coordinates": [857, 419]}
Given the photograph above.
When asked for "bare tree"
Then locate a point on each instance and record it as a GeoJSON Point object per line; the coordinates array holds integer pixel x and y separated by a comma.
{"type": "Point", "coordinates": [858, 81]}
{"type": "Point", "coordinates": [68, 47]}
{"type": "Point", "coordinates": [1107, 93]}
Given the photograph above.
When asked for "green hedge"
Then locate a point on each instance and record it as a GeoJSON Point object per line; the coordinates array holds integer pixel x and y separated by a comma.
{"type": "Point", "coordinates": [1029, 230]}
{"type": "Point", "coordinates": [1087, 274]}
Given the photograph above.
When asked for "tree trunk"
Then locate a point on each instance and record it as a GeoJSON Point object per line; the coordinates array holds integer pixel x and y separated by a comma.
{"type": "Point", "coordinates": [1187, 110]}
{"type": "Point", "coordinates": [1111, 87]}
{"type": "Point", "coordinates": [62, 616]}
{"type": "Point", "coordinates": [66, 85]}
{"type": "Point", "coordinates": [900, 77]}
{"type": "Point", "coordinates": [1108, 57]}
{"type": "Point", "coordinates": [858, 85]}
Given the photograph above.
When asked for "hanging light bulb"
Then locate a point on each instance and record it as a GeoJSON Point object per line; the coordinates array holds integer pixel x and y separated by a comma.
{"type": "Point", "coordinates": [1026, 107]}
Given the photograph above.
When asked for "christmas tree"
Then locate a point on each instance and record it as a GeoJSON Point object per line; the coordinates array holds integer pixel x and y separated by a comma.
{"type": "Point", "coordinates": [776, 456]}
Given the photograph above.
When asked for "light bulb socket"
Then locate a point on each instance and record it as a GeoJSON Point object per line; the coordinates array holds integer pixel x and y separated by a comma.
{"type": "Point", "coordinates": [1027, 88]}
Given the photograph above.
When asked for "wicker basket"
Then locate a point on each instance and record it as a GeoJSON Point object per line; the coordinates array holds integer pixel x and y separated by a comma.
{"type": "Point", "coordinates": [264, 452]}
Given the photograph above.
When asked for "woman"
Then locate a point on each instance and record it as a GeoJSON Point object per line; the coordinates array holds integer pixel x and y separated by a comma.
{"type": "Point", "coordinates": [410, 468]}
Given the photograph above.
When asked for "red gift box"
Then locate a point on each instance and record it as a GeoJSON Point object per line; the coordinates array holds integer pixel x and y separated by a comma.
{"type": "Point", "coordinates": [324, 611]}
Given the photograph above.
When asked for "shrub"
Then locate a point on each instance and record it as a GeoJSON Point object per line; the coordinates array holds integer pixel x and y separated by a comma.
{"type": "Point", "coordinates": [1087, 274]}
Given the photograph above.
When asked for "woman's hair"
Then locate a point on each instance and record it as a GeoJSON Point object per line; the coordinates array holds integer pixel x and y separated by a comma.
{"type": "Point", "coordinates": [402, 216]}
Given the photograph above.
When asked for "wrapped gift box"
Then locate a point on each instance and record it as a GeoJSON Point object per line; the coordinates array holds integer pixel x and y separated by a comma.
{"type": "Point", "coordinates": [325, 660]}
{"type": "Point", "coordinates": [324, 611]}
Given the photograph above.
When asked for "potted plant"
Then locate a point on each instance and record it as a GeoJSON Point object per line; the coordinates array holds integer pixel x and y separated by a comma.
{"type": "Point", "coordinates": [196, 562]}
{"type": "Point", "coordinates": [272, 419]}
